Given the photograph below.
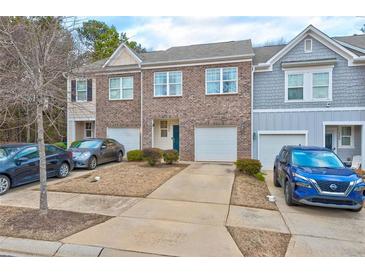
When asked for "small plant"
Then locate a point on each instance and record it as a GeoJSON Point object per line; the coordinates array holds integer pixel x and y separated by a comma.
{"type": "Point", "coordinates": [170, 156]}
{"type": "Point", "coordinates": [135, 155]}
{"type": "Point", "coordinates": [152, 155]}
{"type": "Point", "coordinates": [260, 176]}
{"type": "Point", "coordinates": [62, 145]}
{"type": "Point", "coordinates": [248, 166]}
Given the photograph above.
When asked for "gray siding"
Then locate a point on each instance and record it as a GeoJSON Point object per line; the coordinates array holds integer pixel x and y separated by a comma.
{"type": "Point", "coordinates": [348, 83]}
{"type": "Point", "coordinates": [312, 121]}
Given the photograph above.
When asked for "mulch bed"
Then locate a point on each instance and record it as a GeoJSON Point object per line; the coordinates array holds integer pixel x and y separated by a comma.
{"type": "Point", "coordinates": [260, 243]}
{"type": "Point", "coordinates": [57, 224]}
{"type": "Point", "coordinates": [250, 192]}
{"type": "Point", "coordinates": [126, 179]}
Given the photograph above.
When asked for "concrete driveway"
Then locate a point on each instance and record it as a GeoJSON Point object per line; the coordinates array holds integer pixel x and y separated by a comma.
{"type": "Point", "coordinates": [321, 231]}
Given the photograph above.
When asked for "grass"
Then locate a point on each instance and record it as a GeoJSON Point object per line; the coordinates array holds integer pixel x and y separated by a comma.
{"type": "Point", "coordinates": [260, 243]}
{"type": "Point", "coordinates": [57, 224]}
{"type": "Point", "coordinates": [126, 179]}
{"type": "Point", "coordinates": [249, 191]}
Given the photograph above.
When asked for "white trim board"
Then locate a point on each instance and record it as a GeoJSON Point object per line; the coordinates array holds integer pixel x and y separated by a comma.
{"type": "Point", "coordinates": [139, 61]}
{"type": "Point", "coordinates": [308, 109]}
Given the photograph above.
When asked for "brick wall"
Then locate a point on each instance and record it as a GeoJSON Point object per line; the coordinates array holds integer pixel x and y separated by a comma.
{"type": "Point", "coordinates": [119, 113]}
{"type": "Point", "coordinates": [194, 108]}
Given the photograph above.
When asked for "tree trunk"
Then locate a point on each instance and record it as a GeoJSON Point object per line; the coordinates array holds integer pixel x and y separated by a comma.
{"type": "Point", "coordinates": [28, 127]}
{"type": "Point", "coordinates": [43, 206]}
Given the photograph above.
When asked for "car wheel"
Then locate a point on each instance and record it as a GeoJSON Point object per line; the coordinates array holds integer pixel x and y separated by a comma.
{"type": "Point", "coordinates": [120, 156]}
{"type": "Point", "coordinates": [276, 182]}
{"type": "Point", "coordinates": [92, 163]}
{"type": "Point", "coordinates": [288, 193]}
{"type": "Point", "coordinates": [64, 170]}
{"type": "Point", "coordinates": [4, 184]}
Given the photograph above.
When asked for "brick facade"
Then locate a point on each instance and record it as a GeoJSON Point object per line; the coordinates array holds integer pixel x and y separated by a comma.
{"type": "Point", "coordinates": [118, 113]}
{"type": "Point", "coordinates": [194, 108]}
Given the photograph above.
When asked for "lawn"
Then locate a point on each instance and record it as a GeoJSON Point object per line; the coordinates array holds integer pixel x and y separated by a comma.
{"type": "Point", "coordinates": [126, 179]}
{"type": "Point", "coordinates": [57, 224]}
{"type": "Point", "coordinates": [250, 192]}
{"type": "Point", "coordinates": [260, 243]}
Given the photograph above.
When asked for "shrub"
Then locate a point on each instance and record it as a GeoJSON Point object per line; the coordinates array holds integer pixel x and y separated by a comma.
{"type": "Point", "coordinates": [61, 145]}
{"type": "Point", "coordinates": [152, 156]}
{"type": "Point", "coordinates": [135, 155]}
{"type": "Point", "coordinates": [248, 166]}
{"type": "Point", "coordinates": [170, 156]}
{"type": "Point", "coordinates": [260, 176]}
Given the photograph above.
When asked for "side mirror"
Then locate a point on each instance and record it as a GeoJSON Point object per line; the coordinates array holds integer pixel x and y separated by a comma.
{"type": "Point", "coordinates": [282, 161]}
{"type": "Point", "coordinates": [103, 147]}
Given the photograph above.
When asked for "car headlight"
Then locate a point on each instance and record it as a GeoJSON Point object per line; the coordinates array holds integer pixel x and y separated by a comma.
{"type": "Point", "coordinates": [359, 185]}
{"type": "Point", "coordinates": [303, 181]}
{"type": "Point", "coordinates": [84, 155]}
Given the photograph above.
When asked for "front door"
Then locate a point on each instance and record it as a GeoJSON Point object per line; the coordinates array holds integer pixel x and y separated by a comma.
{"type": "Point", "coordinates": [176, 137]}
{"type": "Point", "coordinates": [331, 139]}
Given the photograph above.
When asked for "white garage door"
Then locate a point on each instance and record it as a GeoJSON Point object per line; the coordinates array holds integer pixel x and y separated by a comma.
{"type": "Point", "coordinates": [216, 144]}
{"type": "Point", "coordinates": [271, 144]}
{"type": "Point", "coordinates": [129, 137]}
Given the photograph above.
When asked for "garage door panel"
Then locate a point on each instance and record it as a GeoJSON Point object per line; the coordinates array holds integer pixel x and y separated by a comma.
{"type": "Point", "coordinates": [129, 137]}
{"type": "Point", "coordinates": [216, 144]}
{"type": "Point", "coordinates": [271, 144]}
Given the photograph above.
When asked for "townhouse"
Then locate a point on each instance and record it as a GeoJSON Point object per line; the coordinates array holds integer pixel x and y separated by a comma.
{"type": "Point", "coordinates": [223, 101]}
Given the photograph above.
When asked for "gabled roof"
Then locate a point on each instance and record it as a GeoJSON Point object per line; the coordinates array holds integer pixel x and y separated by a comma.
{"type": "Point", "coordinates": [315, 33]}
{"type": "Point", "coordinates": [355, 43]}
{"type": "Point", "coordinates": [131, 53]}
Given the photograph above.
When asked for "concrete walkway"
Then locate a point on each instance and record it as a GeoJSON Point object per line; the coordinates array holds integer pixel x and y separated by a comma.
{"type": "Point", "coordinates": [186, 216]}
{"type": "Point", "coordinates": [321, 231]}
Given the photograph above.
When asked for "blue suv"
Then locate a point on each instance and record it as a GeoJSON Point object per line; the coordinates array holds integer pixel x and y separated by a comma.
{"type": "Point", "coordinates": [316, 176]}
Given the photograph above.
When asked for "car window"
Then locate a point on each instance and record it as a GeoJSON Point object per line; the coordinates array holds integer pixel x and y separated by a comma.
{"type": "Point", "coordinates": [3, 153]}
{"type": "Point", "coordinates": [29, 153]}
{"type": "Point", "coordinates": [110, 143]}
{"type": "Point", "coordinates": [313, 158]}
{"type": "Point", "coordinates": [86, 144]}
{"type": "Point", "coordinates": [52, 150]}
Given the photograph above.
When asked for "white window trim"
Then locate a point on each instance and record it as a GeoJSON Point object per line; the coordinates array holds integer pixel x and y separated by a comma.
{"type": "Point", "coordinates": [167, 84]}
{"type": "Point", "coordinates": [308, 84]}
{"type": "Point", "coordinates": [164, 128]}
{"type": "Point", "coordinates": [352, 137]}
{"type": "Point", "coordinates": [77, 94]}
{"type": "Point", "coordinates": [220, 82]}
{"type": "Point", "coordinates": [121, 88]}
{"type": "Point", "coordinates": [305, 48]}
{"type": "Point", "coordinates": [91, 130]}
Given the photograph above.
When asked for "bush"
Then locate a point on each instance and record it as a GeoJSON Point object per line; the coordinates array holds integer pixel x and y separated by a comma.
{"type": "Point", "coordinates": [260, 176]}
{"type": "Point", "coordinates": [248, 166]}
{"type": "Point", "coordinates": [152, 155]}
{"type": "Point", "coordinates": [62, 145]}
{"type": "Point", "coordinates": [135, 155]}
{"type": "Point", "coordinates": [170, 156]}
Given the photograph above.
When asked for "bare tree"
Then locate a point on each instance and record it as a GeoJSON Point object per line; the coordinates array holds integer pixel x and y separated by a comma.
{"type": "Point", "coordinates": [35, 55]}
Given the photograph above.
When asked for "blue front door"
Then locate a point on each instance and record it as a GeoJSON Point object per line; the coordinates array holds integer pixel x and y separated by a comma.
{"type": "Point", "coordinates": [176, 137]}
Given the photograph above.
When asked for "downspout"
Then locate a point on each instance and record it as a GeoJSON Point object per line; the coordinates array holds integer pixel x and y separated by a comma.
{"type": "Point", "coordinates": [141, 127]}
{"type": "Point", "coordinates": [252, 75]}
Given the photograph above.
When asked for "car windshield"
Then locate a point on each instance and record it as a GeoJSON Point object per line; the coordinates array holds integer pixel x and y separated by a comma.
{"type": "Point", "coordinates": [6, 151]}
{"type": "Point", "coordinates": [313, 158]}
{"type": "Point", "coordinates": [86, 144]}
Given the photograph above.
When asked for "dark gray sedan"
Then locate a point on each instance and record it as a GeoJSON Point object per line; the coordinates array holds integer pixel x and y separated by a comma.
{"type": "Point", "coordinates": [88, 153]}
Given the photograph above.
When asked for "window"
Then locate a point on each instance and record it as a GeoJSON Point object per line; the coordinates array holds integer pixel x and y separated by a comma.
{"type": "Point", "coordinates": [221, 81]}
{"type": "Point", "coordinates": [308, 85]}
{"type": "Point", "coordinates": [52, 150]}
{"type": "Point", "coordinates": [295, 87]}
{"type": "Point", "coordinates": [346, 136]}
{"type": "Point", "coordinates": [307, 45]}
{"type": "Point", "coordinates": [88, 130]}
{"type": "Point", "coordinates": [163, 128]}
{"type": "Point", "coordinates": [29, 153]}
{"type": "Point", "coordinates": [168, 83]}
{"type": "Point", "coordinates": [121, 88]}
{"type": "Point", "coordinates": [81, 91]}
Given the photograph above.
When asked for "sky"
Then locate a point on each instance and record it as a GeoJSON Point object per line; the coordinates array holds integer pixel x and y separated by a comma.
{"type": "Point", "coordinates": [159, 33]}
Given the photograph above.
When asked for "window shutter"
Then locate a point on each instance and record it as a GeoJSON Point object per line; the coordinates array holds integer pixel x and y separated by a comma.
{"type": "Point", "coordinates": [73, 90]}
{"type": "Point", "coordinates": [89, 89]}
